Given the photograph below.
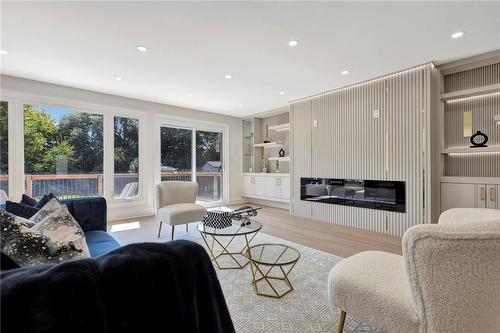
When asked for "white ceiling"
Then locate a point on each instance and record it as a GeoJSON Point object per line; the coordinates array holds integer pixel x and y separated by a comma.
{"type": "Point", "coordinates": [192, 46]}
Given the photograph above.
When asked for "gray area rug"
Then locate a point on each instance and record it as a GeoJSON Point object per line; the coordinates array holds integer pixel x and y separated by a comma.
{"type": "Point", "coordinates": [305, 309]}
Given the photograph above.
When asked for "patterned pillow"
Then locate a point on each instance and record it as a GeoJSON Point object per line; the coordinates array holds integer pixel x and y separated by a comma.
{"type": "Point", "coordinates": [46, 210]}
{"type": "Point", "coordinates": [45, 199]}
{"type": "Point", "coordinates": [61, 226]}
{"type": "Point", "coordinates": [28, 247]}
{"type": "Point", "coordinates": [27, 200]}
{"type": "Point", "coordinates": [20, 209]}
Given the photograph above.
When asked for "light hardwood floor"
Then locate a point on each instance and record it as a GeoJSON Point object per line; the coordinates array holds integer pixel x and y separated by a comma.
{"type": "Point", "coordinates": [331, 238]}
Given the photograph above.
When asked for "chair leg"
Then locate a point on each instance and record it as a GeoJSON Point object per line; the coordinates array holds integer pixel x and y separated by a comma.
{"type": "Point", "coordinates": [159, 230]}
{"type": "Point", "coordinates": [173, 228]}
{"type": "Point", "coordinates": [341, 322]}
{"type": "Point", "coordinates": [187, 227]}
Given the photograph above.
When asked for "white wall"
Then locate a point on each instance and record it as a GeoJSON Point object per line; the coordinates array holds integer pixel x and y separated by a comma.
{"type": "Point", "coordinates": [19, 89]}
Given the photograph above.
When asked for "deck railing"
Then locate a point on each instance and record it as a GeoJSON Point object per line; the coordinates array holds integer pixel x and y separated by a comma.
{"type": "Point", "coordinates": [88, 185]}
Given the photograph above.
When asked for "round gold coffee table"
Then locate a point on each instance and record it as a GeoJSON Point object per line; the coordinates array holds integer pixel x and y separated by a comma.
{"type": "Point", "coordinates": [271, 264]}
{"type": "Point", "coordinates": [218, 248]}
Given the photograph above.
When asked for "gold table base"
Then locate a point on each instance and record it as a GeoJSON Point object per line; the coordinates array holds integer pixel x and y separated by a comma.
{"type": "Point", "coordinates": [225, 249]}
{"type": "Point", "coordinates": [259, 275]}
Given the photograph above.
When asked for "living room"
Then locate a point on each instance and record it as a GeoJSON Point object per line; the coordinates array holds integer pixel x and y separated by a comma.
{"type": "Point", "coordinates": [298, 166]}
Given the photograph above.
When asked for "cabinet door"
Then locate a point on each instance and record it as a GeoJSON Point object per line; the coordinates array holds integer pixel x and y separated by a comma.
{"type": "Point", "coordinates": [265, 186]}
{"type": "Point", "coordinates": [481, 195]}
{"type": "Point", "coordinates": [285, 188]}
{"type": "Point", "coordinates": [492, 196]}
{"type": "Point", "coordinates": [248, 185]}
{"type": "Point", "coordinates": [457, 196]}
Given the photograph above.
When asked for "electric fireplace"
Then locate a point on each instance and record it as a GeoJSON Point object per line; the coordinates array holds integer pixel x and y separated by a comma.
{"type": "Point", "coordinates": [374, 194]}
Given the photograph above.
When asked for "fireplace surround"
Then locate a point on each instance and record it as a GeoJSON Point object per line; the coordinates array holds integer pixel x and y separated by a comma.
{"type": "Point", "coordinates": [373, 194]}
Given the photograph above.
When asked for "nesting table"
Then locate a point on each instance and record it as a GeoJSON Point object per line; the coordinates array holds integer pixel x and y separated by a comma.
{"type": "Point", "coordinates": [221, 243]}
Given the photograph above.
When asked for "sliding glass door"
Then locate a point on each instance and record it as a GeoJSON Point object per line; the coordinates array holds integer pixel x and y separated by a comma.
{"type": "Point", "coordinates": [195, 155]}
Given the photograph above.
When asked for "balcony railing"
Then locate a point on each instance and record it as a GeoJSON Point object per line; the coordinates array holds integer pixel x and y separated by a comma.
{"type": "Point", "coordinates": [89, 185]}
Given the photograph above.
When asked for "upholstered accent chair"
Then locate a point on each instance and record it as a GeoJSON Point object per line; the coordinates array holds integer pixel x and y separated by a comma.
{"type": "Point", "coordinates": [175, 204]}
{"type": "Point", "coordinates": [447, 280]}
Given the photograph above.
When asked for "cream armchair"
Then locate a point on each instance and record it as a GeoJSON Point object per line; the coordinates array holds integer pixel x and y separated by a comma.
{"type": "Point", "coordinates": [175, 204]}
{"type": "Point", "coordinates": [448, 279]}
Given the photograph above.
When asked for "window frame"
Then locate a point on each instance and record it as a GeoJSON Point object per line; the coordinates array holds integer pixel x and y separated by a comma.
{"type": "Point", "coordinates": [17, 101]}
{"type": "Point", "coordinates": [162, 120]}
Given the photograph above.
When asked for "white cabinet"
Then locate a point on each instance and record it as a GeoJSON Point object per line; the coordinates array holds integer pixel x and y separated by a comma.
{"type": "Point", "coordinates": [459, 195]}
{"type": "Point", "coordinates": [265, 186]}
{"type": "Point", "coordinates": [248, 185]}
{"type": "Point", "coordinates": [284, 188]}
{"type": "Point", "coordinates": [492, 200]}
{"type": "Point", "coordinates": [274, 187]}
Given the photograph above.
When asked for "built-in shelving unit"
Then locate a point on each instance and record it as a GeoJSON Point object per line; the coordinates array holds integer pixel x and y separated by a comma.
{"type": "Point", "coordinates": [470, 177]}
{"type": "Point", "coordinates": [268, 145]}
{"type": "Point", "coordinates": [493, 149]}
{"type": "Point", "coordinates": [281, 159]}
{"type": "Point", "coordinates": [493, 88]}
{"type": "Point", "coordinates": [280, 127]}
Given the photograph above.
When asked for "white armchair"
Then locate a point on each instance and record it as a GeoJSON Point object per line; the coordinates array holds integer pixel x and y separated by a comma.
{"type": "Point", "coordinates": [448, 279]}
{"type": "Point", "coordinates": [175, 204]}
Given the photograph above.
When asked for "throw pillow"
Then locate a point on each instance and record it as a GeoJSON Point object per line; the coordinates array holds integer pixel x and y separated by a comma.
{"type": "Point", "coordinates": [27, 200]}
{"type": "Point", "coordinates": [45, 199]}
{"type": "Point", "coordinates": [61, 226]}
{"type": "Point", "coordinates": [29, 247]}
{"type": "Point", "coordinates": [46, 210]}
{"type": "Point", "coordinates": [20, 209]}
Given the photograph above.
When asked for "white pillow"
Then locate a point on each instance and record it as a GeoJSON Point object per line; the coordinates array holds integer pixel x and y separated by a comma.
{"type": "Point", "coordinates": [61, 226]}
{"type": "Point", "coordinates": [46, 210]}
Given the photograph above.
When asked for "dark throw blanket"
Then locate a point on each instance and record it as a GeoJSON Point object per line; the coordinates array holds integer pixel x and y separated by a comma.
{"type": "Point", "coordinates": [148, 287]}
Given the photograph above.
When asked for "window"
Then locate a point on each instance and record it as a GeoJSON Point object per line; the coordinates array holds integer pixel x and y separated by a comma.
{"type": "Point", "coordinates": [4, 152]}
{"type": "Point", "coordinates": [209, 165]}
{"type": "Point", "coordinates": [175, 158]}
{"type": "Point", "coordinates": [193, 155]}
{"type": "Point", "coordinates": [63, 152]}
{"type": "Point", "coordinates": [126, 155]}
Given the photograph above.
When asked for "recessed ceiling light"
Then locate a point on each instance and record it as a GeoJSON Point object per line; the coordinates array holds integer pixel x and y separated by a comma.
{"type": "Point", "coordinates": [141, 48]}
{"type": "Point", "coordinates": [344, 72]}
{"type": "Point", "coordinates": [457, 34]}
{"type": "Point", "coordinates": [4, 52]}
{"type": "Point", "coordinates": [293, 43]}
{"type": "Point", "coordinates": [228, 76]}
{"type": "Point", "coordinates": [117, 78]}
{"type": "Point", "coordinates": [282, 92]}
{"type": "Point", "coordinates": [240, 105]}
{"type": "Point", "coordinates": [191, 95]}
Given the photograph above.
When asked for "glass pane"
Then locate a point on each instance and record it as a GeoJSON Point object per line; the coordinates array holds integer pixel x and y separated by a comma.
{"type": "Point", "coordinates": [63, 152]}
{"type": "Point", "coordinates": [209, 165]}
{"type": "Point", "coordinates": [175, 153]}
{"type": "Point", "coordinates": [126, 158]}
{"type": "Point", "coordinates": [4, 152]}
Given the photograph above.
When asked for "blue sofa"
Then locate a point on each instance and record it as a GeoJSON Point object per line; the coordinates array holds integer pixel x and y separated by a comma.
{"type": "Point", "coordinates": [91, 215]}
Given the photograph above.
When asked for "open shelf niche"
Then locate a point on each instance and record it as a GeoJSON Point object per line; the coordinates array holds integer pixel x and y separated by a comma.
{"type": "Point", "coordinates": [275, 131]}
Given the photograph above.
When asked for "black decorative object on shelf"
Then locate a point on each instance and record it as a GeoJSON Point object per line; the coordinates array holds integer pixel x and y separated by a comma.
{"type": "Point", "coordinates": [281, 153]}
{"type": "Point", "coordinates": [479, 140]}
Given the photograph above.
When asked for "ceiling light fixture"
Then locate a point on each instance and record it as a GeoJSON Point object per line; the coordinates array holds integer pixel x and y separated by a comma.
{"type": "Point", "coordinates": [141, 48]}
{"type": "Point", "coordinates": [282, 92]}
{"type": "Point", "coordinates": [228, 76]}
{"type": "Point", "coordinates": [240, 105]}
{"type": "Point", "coordinates": [118, 78]}
{"type": "Point", "coordinates": [344, 72]}
{"type": "Point", "coordinates": [293, 43]}
{"type": "Point", "coordinates": [191, 95]}
{"type": "Point", "coordinates": [4, 52]}
{"type": "Point", "coordinates": [457, 34]}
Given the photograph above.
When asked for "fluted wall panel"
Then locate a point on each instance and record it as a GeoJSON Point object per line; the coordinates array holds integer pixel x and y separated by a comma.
{"type": "Point", "coordinates": [349, 142]}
